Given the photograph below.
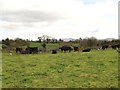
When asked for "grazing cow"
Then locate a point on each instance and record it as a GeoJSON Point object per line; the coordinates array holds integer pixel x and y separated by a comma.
{"type": "Point", "coordinates": [104, 47]}
{"type": "Point", "coordinates": [86, 50]}
{"type": "Point", "coordinates": [66, 49]}
{"type": "Point", "coordinates": [54, 52]}
{"type": "Point", "coordinates": [18, 50]}
{"type": "Point", "coordinates": [116, 46]}
{"type": "Point", "coordinates": [76, 48]}
{"type": "Point", "coordinates": [31, 50]}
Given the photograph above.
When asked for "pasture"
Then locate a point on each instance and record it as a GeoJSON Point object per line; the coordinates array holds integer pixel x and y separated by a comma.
{"type": "Point", "coordinates": [95, 69]}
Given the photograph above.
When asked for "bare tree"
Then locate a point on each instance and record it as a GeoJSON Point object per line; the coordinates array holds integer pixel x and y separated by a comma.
{"type": "Point", "coordinates": [44, 38]}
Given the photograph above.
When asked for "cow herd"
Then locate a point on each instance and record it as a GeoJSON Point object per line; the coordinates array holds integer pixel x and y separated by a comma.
{"type": "Point", "coordinates": [29, 50]}
{"type": "Point", "coordinates": [115, 46]}
{"type": "Point", "coordinates": [33, 50]}
{"type": "Point", "coordinates": [66, 48]}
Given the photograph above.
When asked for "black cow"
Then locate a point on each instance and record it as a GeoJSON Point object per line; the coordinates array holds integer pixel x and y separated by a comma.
{"type": "Point", "coordinates": [76, 48]}
{"type": "Point", "coordinates": [24, 52]}
{"type": "Point", "coordinates": [116, 46]}
{"type": "Point", "coordinates": [104, 47]}
{"type": "Point", "coordinates": [54, 52]}
{"type": "Point", "coordinates": [31, 50]}
{"type": "Point", "coordinates": [19, 50]}
{"type": "Point", "coordinates": [86, 50]}
{"type": "Point", "coordinates": [66, 49]}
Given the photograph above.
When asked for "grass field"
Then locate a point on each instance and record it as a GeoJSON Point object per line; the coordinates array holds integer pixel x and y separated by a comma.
{"type": "Point", "coordinates": [97, 69]}
{"type": "Point", "coordinates": [50, 45]}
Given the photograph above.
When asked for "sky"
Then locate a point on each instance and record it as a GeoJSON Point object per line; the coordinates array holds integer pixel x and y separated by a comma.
{"type": "Point", "coordinates": [29, 19]}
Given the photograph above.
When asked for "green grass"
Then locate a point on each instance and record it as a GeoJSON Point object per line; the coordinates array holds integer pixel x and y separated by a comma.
{"type": "Point", "coordinates": [97, 69]}
{"type": "Point", "coordinates": [0, 68]}
{"type": "Point", "coordinates": [51, 45]}
{"type": "Point", "coordinates": [35, 44]}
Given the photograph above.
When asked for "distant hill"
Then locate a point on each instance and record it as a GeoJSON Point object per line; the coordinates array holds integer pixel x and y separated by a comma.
{"type": "Point", "coordinates": [108, 39]}
{"type": "Point", "coordinates": [68, 39]}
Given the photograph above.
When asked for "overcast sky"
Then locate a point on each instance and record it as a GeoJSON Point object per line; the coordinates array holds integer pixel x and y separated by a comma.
{"type": "Point", "coordinates": [30, 19]}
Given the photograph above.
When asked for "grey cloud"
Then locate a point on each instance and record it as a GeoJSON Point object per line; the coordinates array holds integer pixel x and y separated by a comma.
{"type": "Point", "coordinates": [28, 16]}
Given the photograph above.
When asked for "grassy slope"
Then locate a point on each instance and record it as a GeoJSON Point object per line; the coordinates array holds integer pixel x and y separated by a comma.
{"type": "Point", "coordinates": [96, 69]}
{"type": "Point", "coordinates": [51, 45]}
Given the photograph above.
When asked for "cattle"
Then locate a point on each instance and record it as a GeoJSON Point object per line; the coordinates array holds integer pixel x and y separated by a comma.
{"type": "Point", "coordinates": [66, 49]}
{"type": "Point", "coordinates": [31, 50]}
{"type": "Point", "coordinates": [28, 50]}
{"type": "Point", "coordinates": [40, 50]}
{"type": "Point", "coordinates": [54, 51]}
{"type": "Point", "coordinates": [76, 48]}
{"type": "Point", "coordinates": [116, 46]}
{"type": "Point", "coordinates": [105, 47]}
{"type": "Point", "coordinates": [86, 50]}
{"type": "Point", "coordinates": [19, 50]}
{"type": "Point", "coordinates": [24, 51]}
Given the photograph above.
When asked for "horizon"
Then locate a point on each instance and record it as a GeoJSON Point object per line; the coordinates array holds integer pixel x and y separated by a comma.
{"type": "Point", "coordinates": [29, 19]}
{"type": "Point", "coordinates": [66, 39]}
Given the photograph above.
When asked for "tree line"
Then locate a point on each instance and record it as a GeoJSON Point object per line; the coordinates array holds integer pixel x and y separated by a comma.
{"type": "Point", "coordinates": [91, 42]}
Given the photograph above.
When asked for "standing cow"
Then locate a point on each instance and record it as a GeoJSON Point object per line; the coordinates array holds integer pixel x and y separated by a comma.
{"type": "Point", "coordinates": [66, 49]}
{"type": "Point", "coordinates": [31, 50]}
{"type": "Point", "coordinates": [105, 47]}
{"type": "Point", "coordinates": [19, 50]}
{"type": "Point", "coordinates": [76, 48]}
{"type": "Point", "coordinates": [116, 46]}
